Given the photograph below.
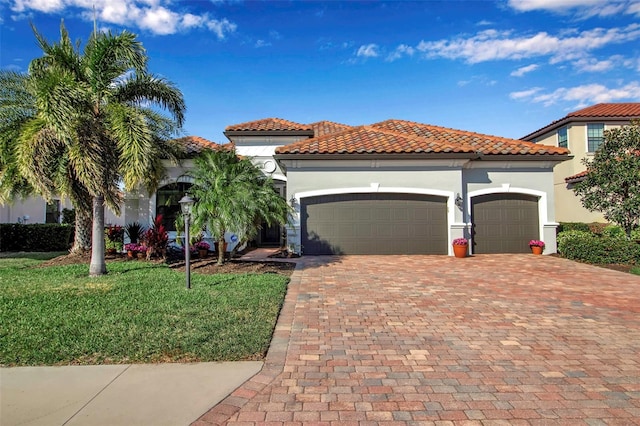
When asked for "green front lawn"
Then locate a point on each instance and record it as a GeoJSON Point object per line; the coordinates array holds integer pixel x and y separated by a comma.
{"type": "Point", "coordinates": [139, 312]}
{"type": "Point", "coordinates": [635, 270]}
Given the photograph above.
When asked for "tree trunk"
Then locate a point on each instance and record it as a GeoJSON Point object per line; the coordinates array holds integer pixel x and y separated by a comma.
{"type": "Point", "coordinates": [221, 250]}
{"type": "Point", "coordinates": [98, 266]}
{"type": "Point", "coordinates": [82, 239]}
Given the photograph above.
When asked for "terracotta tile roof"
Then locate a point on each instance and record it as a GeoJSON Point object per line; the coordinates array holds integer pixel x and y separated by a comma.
{"type": "Point", "coordinates": [578, 177]}
{"type": "Point", "coordinates": [369, 140]}
{"type": "Point", "coordinates": [321, 128]}
{"type": "Point", "coordinates": [398, 136]}
{"type": "Point", "coordinates": [611, 111]}
{"type": "Point", "coordinates": [268, 124]}
{"type": "Point", "coordinates": [482, 144]}
{"type": "Point", "coordinates": [195, 145]}
{"type": "Point", "coordinates": [630, 110]}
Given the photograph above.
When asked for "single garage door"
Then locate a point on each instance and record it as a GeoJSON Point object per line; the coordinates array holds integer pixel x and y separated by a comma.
{"type": "Point", "coordinates": [504, 223]}
{"type": "Point", "coordinates": [374, 224]}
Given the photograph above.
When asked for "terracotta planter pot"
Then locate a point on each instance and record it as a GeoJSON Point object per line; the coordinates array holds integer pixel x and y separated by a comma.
{"type": "Point", "coordinates": [536, 250]}
{"type": "Point", "coordinates": [141, 256]}
{"type": "Point", "coordinates": [224, 247]}
{"type": "Point", "coordinates": [460, 251]}
{"type": "Point", "coordinates": [111, 251]}
{"type": "Point", "coordinates": [130, 254]}
{"type": "Point", "coordinates": [202, 253]}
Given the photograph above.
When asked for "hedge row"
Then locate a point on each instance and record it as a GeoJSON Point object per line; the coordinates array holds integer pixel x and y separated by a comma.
{"type": "Point", "coordinates": [592, 248]}
{"type": "Point", "coordinates": [35, 237]}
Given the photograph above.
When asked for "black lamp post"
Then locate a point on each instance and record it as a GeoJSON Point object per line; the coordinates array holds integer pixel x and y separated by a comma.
{"type": "Point", "coordinates": [186, 205]}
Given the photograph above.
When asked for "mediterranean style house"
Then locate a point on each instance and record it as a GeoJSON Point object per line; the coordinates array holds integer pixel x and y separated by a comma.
{"type": "Point", "coordinates": [394, 187]}
{"type": "Point", "coordinates": [581, 132]}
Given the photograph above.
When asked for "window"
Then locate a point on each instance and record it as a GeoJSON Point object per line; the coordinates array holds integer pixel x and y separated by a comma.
{"type": "Point", "coordinates": [53, 212]}
{"type": "Point", "coordinates": [562, 138]}
{"type": "Point", "coordinates": [595, 136]}
{"type": "Point", "coordinates": [167, 203]}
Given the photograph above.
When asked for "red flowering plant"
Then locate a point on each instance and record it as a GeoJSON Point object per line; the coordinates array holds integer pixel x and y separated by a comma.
{"type": "Point", "coordinates": [536, 243]}
{"type": "Point", "coordinates": [202, 245]}
{"type": "Point", "coordinates": [460, 242]}
{"type": "Point", "coordinates": [156, 238]}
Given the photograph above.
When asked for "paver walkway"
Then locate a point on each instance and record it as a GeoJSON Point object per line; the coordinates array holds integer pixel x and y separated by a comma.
{"type": "Point", "coordinates": [487, 340]}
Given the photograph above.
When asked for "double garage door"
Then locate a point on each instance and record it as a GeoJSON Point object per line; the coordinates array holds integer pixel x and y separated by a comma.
{"type": "Point", "coordinates": [374, 224]}
{"type": "Point", "coordinates": [413, 224]}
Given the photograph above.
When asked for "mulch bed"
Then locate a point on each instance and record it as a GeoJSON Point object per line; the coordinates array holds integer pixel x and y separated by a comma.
{"type": "Point", "coordinates": [201, 266]}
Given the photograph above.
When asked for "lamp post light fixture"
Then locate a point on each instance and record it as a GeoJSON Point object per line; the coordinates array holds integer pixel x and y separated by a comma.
{"type": "Point", "coordinates": [186, 205]}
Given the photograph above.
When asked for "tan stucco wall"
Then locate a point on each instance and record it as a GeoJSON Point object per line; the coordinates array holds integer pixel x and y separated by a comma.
{"type": "Point", "coordinates": [568, 206]}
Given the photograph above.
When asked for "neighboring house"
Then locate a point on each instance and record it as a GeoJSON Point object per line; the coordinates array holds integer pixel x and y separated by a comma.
{"type": "Point", "coordinates": [581, 132]}
{"type": "Point", "coordinates": [395, 187]}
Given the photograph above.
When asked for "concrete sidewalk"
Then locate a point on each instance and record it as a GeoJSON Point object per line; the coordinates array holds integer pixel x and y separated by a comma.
{"type": "Point", "coordinates": [129, 394]}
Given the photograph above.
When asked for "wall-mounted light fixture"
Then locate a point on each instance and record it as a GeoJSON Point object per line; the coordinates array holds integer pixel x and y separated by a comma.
{"type": "Point", "coordinates": [459, 202]}
{"type": "Point", "coordinates": [292, 201]}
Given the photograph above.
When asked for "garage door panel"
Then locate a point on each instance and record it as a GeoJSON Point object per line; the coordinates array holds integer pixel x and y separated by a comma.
{"type": "Point", "coordinates": [504, 223]}
{"type": "Point", "coordinates": [374, 224]}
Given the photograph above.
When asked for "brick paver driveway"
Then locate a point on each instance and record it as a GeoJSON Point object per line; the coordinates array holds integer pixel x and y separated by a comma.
{"type": "Point", "coordinates": [500, 339]}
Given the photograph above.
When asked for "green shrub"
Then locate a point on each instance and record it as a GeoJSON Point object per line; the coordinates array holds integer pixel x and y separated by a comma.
{"type": "Point", "coordinates": [635, 234]}
{"type": "Point", "coordinates": [570, 235]}
{"type": "Point", "coordinates": [35, 237]}
{"type": "Point", "coordinates": [590, 248]}
{"type": "Point", "coordinates": [614, 231]}
{"type": "Point", "coordinates": [573, 226]}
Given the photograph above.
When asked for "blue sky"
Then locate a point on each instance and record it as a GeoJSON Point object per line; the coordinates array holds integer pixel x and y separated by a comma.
{"type": "Point", "coordinates": [503, 67]}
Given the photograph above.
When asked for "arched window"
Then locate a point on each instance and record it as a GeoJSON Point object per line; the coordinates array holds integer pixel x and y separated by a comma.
{"type": "Point", "coordinates": [167, 205]}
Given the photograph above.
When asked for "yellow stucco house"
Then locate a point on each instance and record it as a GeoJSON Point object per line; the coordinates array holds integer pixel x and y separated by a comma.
{"type": "Point", "coordinates": [581, 132]}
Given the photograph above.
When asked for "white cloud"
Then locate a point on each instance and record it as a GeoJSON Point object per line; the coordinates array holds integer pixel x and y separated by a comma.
{"type": "Point", "coordinates": [581, 9]}
{"type": "Point", "coordinates": [585, 94]}
{"type": "Point", "coordinates": [368, 51]}
{"type": "Point", "coordinates": [524, 93]}
{"type": "Point", "coordinates": [157, 16]}
{"type": "Point", "coordinates": [262, 43]}
{"type": "Point", "coordinates": [46, 6]}
{"type": "Point", "coordinates": [595, 65]}
{"type": "Point", "coordinates": [492, 45]}
{"type": "Point", "coordinates": [524, 70]}
{"type": "Point", "coordinates": [402, 50]}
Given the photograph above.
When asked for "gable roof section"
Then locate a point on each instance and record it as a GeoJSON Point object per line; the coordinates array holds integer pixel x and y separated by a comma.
{"type": "Point", "coordinates": [608, 112]}
{"type": "Point", "coordinates": [274, 126]}
{"type": "Point", "coordinates": [194, 145]}
{"type": "Point", "coordinates": [321, 128]}
{"type": "Point", "coordinates": [406, 137]}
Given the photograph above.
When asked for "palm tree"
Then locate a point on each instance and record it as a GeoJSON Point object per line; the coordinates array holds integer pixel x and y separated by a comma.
{"type": "Point", "coordinates": [97, 110]}
{"type": "Point", "coordinates": [233, 195]}
{"type": "Point", "coordinates": [17, 108]}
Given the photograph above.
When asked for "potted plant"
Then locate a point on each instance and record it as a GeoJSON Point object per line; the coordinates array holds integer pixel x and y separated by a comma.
{"type": "Point", "coordinates": [536, 246]}
{"type": "Point", "coordinates": [113, 247]}
{"type": "Point", "coordinates": [114, 236]}
{"type": "Point", "coordinates": [460, 247]}
{"type": "Point", "coordinates": [141, 251]}
{"type": "Point", "coordinates": [203, 248]}
{"type": "Point", "coordinates": [131, 249]}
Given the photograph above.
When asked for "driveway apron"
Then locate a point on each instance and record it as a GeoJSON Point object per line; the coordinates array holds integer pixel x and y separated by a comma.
{"type": "Point", "coordinates": [489, 339]}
